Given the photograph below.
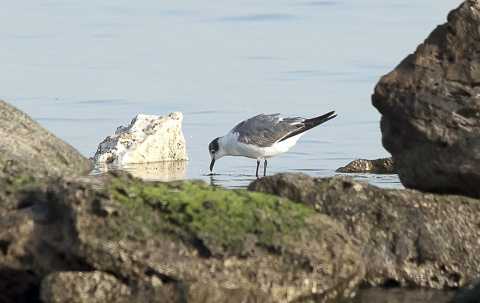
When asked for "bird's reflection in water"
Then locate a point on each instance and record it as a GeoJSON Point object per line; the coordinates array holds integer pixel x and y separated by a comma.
{"type": "Point", "coordinates": [232, 181]}
{"type": "Point", "coordinates": [214, 180]}
{"type": "Point", "coordinates": [159, 171]}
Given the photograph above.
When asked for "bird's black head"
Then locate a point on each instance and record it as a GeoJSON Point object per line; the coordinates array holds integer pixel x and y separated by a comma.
{"type": "Point", "coordinates": [213, 148]}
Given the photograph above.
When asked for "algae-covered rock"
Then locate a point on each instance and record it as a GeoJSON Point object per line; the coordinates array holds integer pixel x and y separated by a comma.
{"type": "Point", "coordinates": [408, 238]}
{"type": "Point", "coordinates": [26, 147]}
{"type": "Point", "coordinates": [168, 242]}
{"type": "Point", "coordinates": [222, 222]}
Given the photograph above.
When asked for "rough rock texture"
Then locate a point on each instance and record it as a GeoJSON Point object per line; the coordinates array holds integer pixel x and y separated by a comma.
{"type": "Point", "coordinates": [408, 238]}
{"type": "Point", "coordinates": [83, 287]}
{"type": "Point", "coordinates": [147, 139]}
{"type": "Point", "coordinates": [430, 106]}
{"type": "Point", "coordinates": [179, 242]}
{"type": "Point", "coordinates": [25, 146]}
{"type": "Point", "coordinates": [29, 157]}
{"type": "Point", "coordinates": [377, 166]}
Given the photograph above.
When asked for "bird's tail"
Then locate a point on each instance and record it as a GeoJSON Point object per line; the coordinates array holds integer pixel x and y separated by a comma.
{"type": "Point", "coordinates": [311, 123]}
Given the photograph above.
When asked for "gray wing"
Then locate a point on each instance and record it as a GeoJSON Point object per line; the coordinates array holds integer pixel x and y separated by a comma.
{"type": "Point", "coordinates": [265, 130]}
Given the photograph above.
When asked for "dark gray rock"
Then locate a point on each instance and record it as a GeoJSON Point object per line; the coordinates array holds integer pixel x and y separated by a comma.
{"type": "Point", "coordinates": [408, 238]}
{"type": "Point", "coordinates": [377, 166]}
{"type": "Point", "coordinates": [430, 106]}
{"type": "Point", "coordinates": [26, 147]}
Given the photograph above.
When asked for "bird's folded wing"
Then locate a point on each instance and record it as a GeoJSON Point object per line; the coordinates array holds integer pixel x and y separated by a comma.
{"type": "Point", "coordinates": [265, 130]}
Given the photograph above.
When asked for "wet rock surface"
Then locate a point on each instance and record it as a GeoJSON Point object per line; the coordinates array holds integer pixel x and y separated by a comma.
{"type": "Point", "coordinates": [408, 238]}
{"type": "Point", "coordinates": [430, 106]}
{"type": "Point", "coordinates": [377, 166]}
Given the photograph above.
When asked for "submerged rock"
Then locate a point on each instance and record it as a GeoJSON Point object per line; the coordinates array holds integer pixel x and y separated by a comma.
{"type": "Point", "coordinates": [147, 139]}
{"type": "Point", "coordinates": [26, 147]}
{"type": "Point", "coordinates": [408, 238]}
{"type": "Point", "coordinates": [183, 241]}
{"type": "Point", "coordinates": [377, 166]}
{"type": "Point", "coordinates": [430, 106]}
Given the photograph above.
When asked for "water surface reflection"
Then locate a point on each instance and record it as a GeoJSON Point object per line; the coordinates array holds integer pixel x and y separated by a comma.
{"type": "Point", "coordinates": [158, 171]}
{"type": "Point", "coordinates": [402, 295]}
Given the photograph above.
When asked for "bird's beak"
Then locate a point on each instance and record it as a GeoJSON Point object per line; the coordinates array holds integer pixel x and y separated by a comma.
{"type": "Point", "coordinates": [211, 164]}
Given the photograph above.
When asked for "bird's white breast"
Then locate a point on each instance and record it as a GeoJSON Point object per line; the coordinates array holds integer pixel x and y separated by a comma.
{"type": "Point", "coordinates": [235, 148]}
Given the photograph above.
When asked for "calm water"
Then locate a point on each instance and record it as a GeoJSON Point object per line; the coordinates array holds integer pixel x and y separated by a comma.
{"type": "Point", "coordinates": [82, 68]}
{"type": "Point", "coordinates": [400, 295]}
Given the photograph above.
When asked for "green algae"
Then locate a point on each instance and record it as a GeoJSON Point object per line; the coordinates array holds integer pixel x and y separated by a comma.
{"type": "Point", "coordinates": [221, 221]}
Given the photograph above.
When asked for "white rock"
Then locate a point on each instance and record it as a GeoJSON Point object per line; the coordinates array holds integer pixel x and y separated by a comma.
{"type": "Point", "coordinates": [147, 139]}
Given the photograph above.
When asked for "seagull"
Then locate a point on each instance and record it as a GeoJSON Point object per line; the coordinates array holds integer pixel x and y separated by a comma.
{"type": "Point", "coordinates": [262, 137]}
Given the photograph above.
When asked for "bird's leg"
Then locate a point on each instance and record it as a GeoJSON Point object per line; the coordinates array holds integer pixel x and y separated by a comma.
{"type": "Point", "coordinates": [265, 168]}
{"type": "Point", "coordinates": [258, 164]}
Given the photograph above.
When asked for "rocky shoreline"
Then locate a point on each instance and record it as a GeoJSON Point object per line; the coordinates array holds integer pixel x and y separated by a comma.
{"type": "Point", "coordinates": [69, 237]}
{"type": "Point", "coordinates": [290, 238]}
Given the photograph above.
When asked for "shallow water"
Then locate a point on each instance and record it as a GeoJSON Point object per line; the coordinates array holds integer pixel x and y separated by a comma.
{"type": "Point", "coordinates": [82, 68]}
{"type": "Point", "coordinates": [400, 295]}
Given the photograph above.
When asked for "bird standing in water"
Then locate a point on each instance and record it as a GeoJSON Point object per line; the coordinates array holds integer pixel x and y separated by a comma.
{"type": "Point", "coordinates": [262, 137]}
